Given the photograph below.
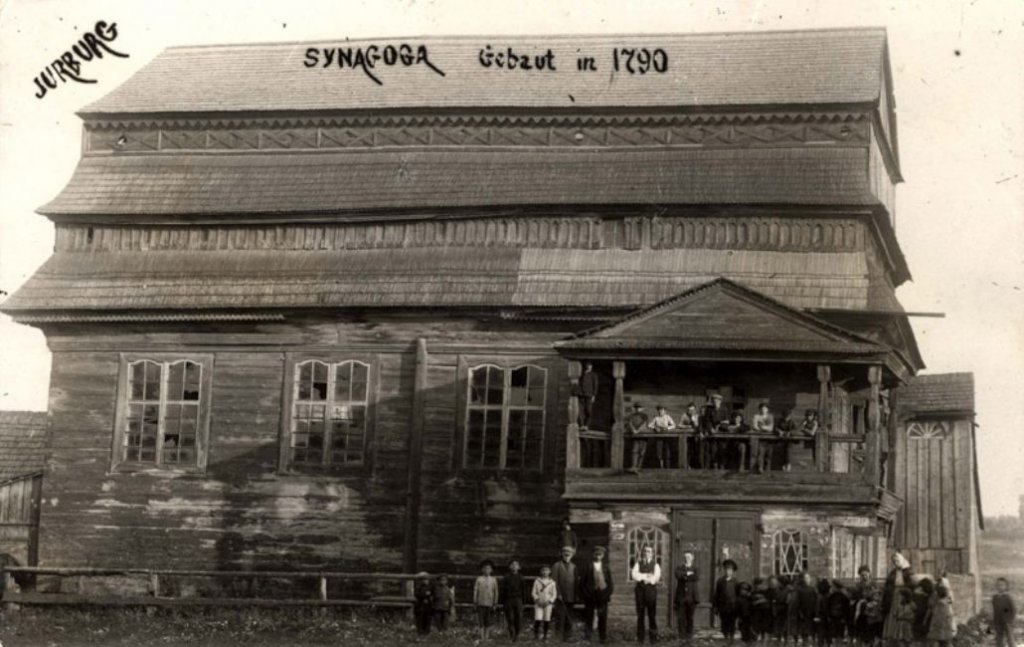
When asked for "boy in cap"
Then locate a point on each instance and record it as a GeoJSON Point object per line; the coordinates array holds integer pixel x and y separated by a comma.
{"type": "Point", "coordinates": [725, 602]}
{"type": "Point", "coordinates": [566, 585]}
{"type": "Point", "coordinates": [596, 588]}
{"type": "Point", "coordinates": [636, 424]}
{"type": "Point", "coordinates": [423, 603]}
{"type": "Point", "coordinates": [544, 594]}
{"type": "Point", "coordinates": [485, 597]}
{"type": "Point", "coordinates": [513, 590]}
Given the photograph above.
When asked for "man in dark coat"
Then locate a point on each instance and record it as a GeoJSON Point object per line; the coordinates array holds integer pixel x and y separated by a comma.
{"type": "Point", "coordinates": [713, 420]}
{"type": "Point", "coordinates": [596, 588]}
{"type": "Point", "coordinates": [567, 584]}
{"type": "Point", "coordinates": [686, 599]}
{"type": "Point", "coordinates": [588, 386]}
{"type": "Point", "coordinates": [725, 602]}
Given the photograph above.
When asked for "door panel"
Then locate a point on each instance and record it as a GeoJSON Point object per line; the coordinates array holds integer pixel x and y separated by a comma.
{"type": "Point", "coordinates": [714, 537]}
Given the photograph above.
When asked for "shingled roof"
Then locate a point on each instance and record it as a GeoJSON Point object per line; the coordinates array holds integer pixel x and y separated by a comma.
{"type": "Point", "coordinates": [23, 443]}
{"type": "Point", "coordinates": [746, 68]}
{"type": "Point", "coordinates": [951, 393]}
{"type": "Point", "coordinates": [482, 277]}
{"type": "Point", "coordinates": [290, 183]}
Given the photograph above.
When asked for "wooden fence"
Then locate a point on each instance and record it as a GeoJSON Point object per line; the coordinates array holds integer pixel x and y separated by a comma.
{"type": "Point", "coordinates": [164, 588]}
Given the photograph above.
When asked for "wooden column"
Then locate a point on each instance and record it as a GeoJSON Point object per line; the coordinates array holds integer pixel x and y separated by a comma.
{"type": "Point", "coordinates": [618, 415]}
{"type": "Point", "coordinates": [412, 495]}
{"type": "Point", "coordinates": [873, 436]}
{"type": "Point", "coordinates": [824, 418]}
{"type": "Point", "coordinates": [572, 432]}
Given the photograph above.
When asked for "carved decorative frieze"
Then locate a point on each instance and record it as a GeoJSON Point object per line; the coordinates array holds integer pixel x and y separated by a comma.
{"type": "Point", "coordinates": [681, 131]}
{"type": "Point", "coordinates": [583, 232]}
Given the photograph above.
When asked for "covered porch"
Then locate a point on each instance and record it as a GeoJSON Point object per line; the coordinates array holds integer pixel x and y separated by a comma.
{"type": "Point", "coordinates": [747, 351]}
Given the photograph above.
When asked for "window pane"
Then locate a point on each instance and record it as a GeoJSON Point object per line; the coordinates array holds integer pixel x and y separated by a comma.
{"type": "Point", "coordinates": [517, 395]}
{"type": "Point", "coordinates": [474, 438]}
{"type": "Point", "coordinates": [533, 445]}
{"type": "Point", "coordinates": [537, 377]}
{"type": "Point", "coordinates": [492, 439]}
{"type": "Point", "coordinates": [516, 433]}
{"type": "Point", "coordinates": [495, 386]}
{"type": "Point", "coordinates": [152, 389]}
{"type": "Point", "coordinates": [320, 371]}
{"type": "Point", "coordinates": [477, 385]}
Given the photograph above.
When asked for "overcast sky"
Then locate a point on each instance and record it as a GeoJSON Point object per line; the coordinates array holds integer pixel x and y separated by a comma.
{"type": "Point", "coordinates": [960, 101]}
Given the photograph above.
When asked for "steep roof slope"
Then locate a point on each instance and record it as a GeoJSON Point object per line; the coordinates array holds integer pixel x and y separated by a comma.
{"type": "Point", "coordinates": [735, 69]}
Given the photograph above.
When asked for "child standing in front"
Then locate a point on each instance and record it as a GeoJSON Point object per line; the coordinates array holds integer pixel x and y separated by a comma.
{"type": "Point", "coordinates": [512, 591]}
{"type": "Point", "coordinates": [942, 627]}
{"type": "Point", "coordinates": [423, 603]}
{"type": "Point", "coordinates": [1004, 612]}
{"type": "Point", "coordinates": [444, 602]}
{"type": "Point", "coordinates": [543, 594]}
{"type": "Point", "coordinates": [485, 597]}
{"type": "Point", "coordinates": [903, 628]}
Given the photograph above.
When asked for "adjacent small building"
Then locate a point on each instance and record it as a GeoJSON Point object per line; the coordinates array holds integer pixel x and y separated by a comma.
{"type": "Point", "coordinates": [23, 450]}
{"type": "Point", "coordinates": [299, 319]}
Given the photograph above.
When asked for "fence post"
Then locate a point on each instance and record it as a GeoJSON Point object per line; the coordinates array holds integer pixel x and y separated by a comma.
{"type": "Point", "coordinates": [323, 595]}
{"type": "Point", "coordinates": [410, 594]}
{"type": "Point", "coordinates": [154, 583]}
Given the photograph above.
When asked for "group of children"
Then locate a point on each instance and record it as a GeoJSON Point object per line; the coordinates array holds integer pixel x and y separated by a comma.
{"type": "Point", "coordinates": [434, 601]}
{"type": "Point", "coordinates": [799, 610]}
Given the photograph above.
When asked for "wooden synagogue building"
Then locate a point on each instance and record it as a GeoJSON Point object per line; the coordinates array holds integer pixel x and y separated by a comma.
{"type": "Point", "coordinates": [300, 317]}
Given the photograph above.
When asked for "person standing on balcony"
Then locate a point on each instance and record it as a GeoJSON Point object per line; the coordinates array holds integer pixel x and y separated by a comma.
{"type": "Point", "coordinates": [810, 427]}
{"type": "Point", "coordinates": [686, 597]}
{"type": "Point", "coordinates": [647, 575]}
{"type": "Point", "coordinates": [588, 386]}
{"type": "Point", "coordinates": [736, 450]}
{"type": "Point", "coordinates": [784, 428]}
{"type": "Point", "coordinates": [662, 423]}
{"type": "Point", "coordinates": [690, 421]}
{"type": "Point", "coordinates": [637, 424]}
{"type": "Point", "coordinates": [713, 420]}
{"type": "Point", "coordinates": [764, 423]}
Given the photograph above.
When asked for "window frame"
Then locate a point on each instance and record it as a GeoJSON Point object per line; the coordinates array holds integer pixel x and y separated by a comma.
{"type": "Point", "coordinates": [635, 547]}
{"type": "Point", "coordinates": [802, 557]}
{"type": "Point", "coordinates": [123, 397]}
{"type": "Point", "coordinates": [507, 364]}
{"type": "Point", "coordinates": [332, 359]}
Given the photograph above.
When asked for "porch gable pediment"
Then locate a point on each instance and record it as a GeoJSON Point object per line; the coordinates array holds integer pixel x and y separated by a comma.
{"type": "Point", "coordinates": [722, 315]}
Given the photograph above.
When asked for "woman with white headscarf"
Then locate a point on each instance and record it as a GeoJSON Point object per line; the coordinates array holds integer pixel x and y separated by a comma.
{"type": "Point", "coordinates": [899, 577]}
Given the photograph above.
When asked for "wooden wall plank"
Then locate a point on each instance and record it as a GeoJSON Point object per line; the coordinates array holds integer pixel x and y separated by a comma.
{"type": "Point", "coordinates": [935, 492]}
{"type": "Point", "coordinates": [899, 465]}
{"type": "Point", "coordinates": [910, 503]}
{"type": "Point", "coordinates": [947, 484]}
{"type": "Point", "coordinates": [922, 494]}
{"type": "Point", "coordinates": [964, 466]}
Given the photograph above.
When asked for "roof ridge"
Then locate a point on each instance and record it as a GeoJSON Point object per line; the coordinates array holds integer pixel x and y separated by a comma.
{"type": "Point", "coordinates": [440, 38]}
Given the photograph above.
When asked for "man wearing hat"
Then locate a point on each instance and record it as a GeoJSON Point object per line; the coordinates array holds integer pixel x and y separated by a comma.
{"type": "Point", "coordinates": [725, 602]}
{"type": "Point", "coordinates": [566, 584]}
{"type": "Point", "coordinates": [635, 424]}
{"type": "Point", "coordinates": [712, 420]}
{"type": "Point", "coordinates": [596, 589]}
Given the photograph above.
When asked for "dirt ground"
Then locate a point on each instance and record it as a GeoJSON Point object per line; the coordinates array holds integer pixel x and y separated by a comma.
{"type": "Point", "coordinates": [65, 627]}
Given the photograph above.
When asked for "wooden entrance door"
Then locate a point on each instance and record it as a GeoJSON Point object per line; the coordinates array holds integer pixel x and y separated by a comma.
{"type": "Point", "coordinates": [713, 537]}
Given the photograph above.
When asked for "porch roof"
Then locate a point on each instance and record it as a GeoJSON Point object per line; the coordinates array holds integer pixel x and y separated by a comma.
{"type": "Point", "coordinates": [724, 316]}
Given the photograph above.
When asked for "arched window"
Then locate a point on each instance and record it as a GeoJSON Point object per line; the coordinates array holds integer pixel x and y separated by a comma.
{"type": "Point", "coordinates": [640, 536]}
{"type": "Point", "coordinates": [329, 412]}
{"type": "Point", "coordinates": [163, 407]}
{"type": "Point", "coordinates": [790, 548]}
{"type": "Point", "coordinates": [505, 408]}
{"type": "Point", "coordinates": [926, 431]}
